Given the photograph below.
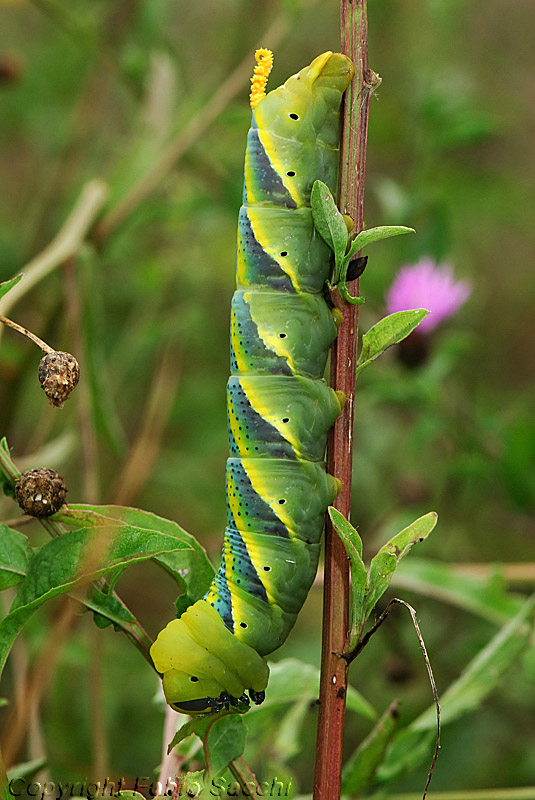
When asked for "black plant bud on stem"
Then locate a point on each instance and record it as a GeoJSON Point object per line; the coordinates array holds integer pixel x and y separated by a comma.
{"type": "Point", "coordinates": [414, 350]}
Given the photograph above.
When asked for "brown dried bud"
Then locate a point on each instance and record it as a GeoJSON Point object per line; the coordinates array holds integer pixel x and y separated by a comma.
{"type": "Point", "coordinates": [58, 375]}
{"type": "Point", "coordinates": [40, 492]}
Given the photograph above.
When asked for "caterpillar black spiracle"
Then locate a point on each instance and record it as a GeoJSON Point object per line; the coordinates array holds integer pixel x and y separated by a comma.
{"type": "Point", "coordinates": [279, 406]}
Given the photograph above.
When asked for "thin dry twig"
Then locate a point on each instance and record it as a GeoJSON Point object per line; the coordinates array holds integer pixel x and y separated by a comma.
{"type": "Point", "coordinates": [520, 793]}
{"type": "Point", "coordinates": [88, 439]}
{"type": "Point", "coordinates": [37, 679]}
{"type": "Point", "coordinates": [98, 718]}
{"type": "Point", "coordinates": [36, 749]}
{"type": "Point", "coordinates": [349, 657]}
{"type": "Point", "coordinates": [245, 777]}
{"type": "Point", "coordinates": [64, 245]}
{"type": "Point", "coordinates": [187, 137]}
{"type": "Point", "coordinates": [172, 762]}
{"type": "Point", "coordinates": [25, 332]}
{"type": "Point", "coordinates": [145, 449]}
{"type": "Point", "coordinates": [87, 116]}
{"type": "Point", "coordinates": [41, 671]}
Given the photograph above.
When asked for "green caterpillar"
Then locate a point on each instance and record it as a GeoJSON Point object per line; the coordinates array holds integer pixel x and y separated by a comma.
{"type": "Point", "coordinates": [279, 406]}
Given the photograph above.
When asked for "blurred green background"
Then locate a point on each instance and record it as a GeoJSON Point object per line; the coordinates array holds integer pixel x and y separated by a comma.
{"type": "Point", "coordinates": [99, 90]}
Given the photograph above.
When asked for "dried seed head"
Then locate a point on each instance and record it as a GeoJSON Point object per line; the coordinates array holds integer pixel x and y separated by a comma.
{"type": "Point", "coordinates": [58, 375]}
{"type": "Point", "coordinates": [40, 492]}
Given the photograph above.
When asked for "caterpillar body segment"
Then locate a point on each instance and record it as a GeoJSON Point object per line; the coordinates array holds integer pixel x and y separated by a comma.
{"type": "Point", "coordinates": [280, 416]}
{"type": "Point", "coordinates": [295, 134]}
{"type": "Point", "coordinates": [278, 333]}
{"type": "Point", "coordinates": [278, 248]}
{"type": "Point", "coordinates": [279, 407]}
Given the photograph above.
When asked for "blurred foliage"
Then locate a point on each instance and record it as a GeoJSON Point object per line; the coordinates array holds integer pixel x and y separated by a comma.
{"type": "Point", "coordinates": [98, 90]}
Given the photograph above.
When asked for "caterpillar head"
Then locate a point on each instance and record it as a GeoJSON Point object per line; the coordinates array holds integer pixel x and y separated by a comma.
{"type": "Point", "coordinates": [194, 694]}
{"type": "Point", "coordinates": [204, 667]}
{"type": "Point", "coordinates": [295, 134]}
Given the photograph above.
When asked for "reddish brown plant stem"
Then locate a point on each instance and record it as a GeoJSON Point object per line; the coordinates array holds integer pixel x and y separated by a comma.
{"type": "Point", "coordinates": [333, 686]}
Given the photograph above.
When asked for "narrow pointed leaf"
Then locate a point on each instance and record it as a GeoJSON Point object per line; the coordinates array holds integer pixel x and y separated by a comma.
{"type": "Point", "coordinates": [6, 286]}
{"type": "Point", "coordinates": [347, 533]}
{"type": "Point", "coordinates": [484, 671]}
{"type": "Point", "coordinates": [359, 574]}
{"type": "Point", "coordinates": [26, 769]}
{"type": "Point", "coordinates": [411, 746]}
{"type": "Point", "coordinates": [371, 235]}
{"type": "Point", "coordinates": [15, 555]}
{"type": "Point", "coordinates": [328, 220]}
{"type": "Point", "coordinates": [288, 738]}
{"type": "Point", "coordinates": [359, 770]}
{"type": "Point", "coordinates": [385, 562]}
{"type": "Point", "coordinates": [8, 472]}
{"type": "Point", "coordinates": [388, 331]}
{"type": "Point", "coordinates": [484, 595]}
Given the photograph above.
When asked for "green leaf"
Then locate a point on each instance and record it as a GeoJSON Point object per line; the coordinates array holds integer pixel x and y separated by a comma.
{"type": "Point", "coordinates": [288, 740]}
{"type": "Point", "coordinates": [359, 574]}
{"type": "Point", "coordinates": [6, 286]}
{"type": "Point", "coordinates": [388, 331]}
{"type": "Point", "coordinates": [287, 713]}
{"type": "Point", "coordinates": [328, 220]}
{"type": "Point", "coordinates": [475, 683]}
{"type": "Point", "coordinates": [371, 235]}
{"type": "Point", "coordinates": [359, 771]}
{"type": "Point", "coordinates": [196, 725]}
{"type": "Point", "coordinates": [62, 563]}
{"type": "Point", "coordinates": [385, 562]}
{"type": "Point", "coordinates": [107, 609]}
{"type": "Point", "coordinates": [26, 769]}
{"type": "Point", "coordinates": [191, 785]}
{"type": "Point", "coordinates": [291, 680]}
{"type": "Point", "coordinates": [187, 563]}
{"type": "Point", "coordinates": [484, 671]}
{"type": "Point", "coordinates": [224, 741]}
{"type": "Point", "coordinates": [8, 471]}
{"type": "Point", "coordinates": [15, 555]}
{"type": "Point", "coordinates": [483, 595]}
{"type": "Point", "coordinates": [347, 533]}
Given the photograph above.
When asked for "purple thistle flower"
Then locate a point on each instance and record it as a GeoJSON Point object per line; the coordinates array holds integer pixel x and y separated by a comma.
{"type": "Point", "coordinates": [427, 285]}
